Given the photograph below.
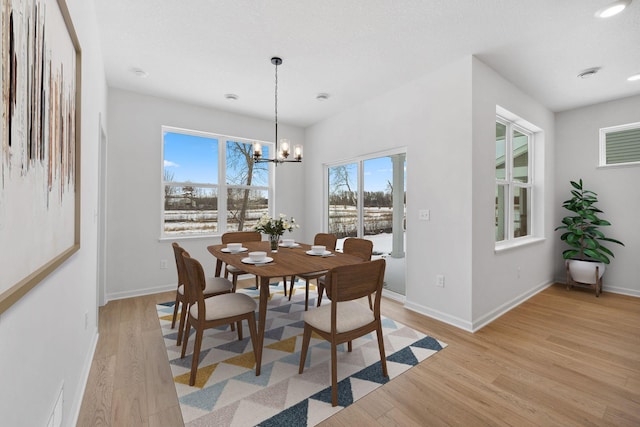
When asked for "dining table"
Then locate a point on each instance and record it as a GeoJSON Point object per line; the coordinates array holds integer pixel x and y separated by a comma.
{"type": "Point", "coordinates": [285, 262]}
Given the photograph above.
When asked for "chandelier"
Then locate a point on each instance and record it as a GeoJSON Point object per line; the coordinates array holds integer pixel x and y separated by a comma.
{"type": "Point", "coordinates": [283, 150]}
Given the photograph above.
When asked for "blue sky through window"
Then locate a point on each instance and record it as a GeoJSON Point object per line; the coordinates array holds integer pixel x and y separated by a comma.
{"type": "Point", "coordinates": [191, 158]}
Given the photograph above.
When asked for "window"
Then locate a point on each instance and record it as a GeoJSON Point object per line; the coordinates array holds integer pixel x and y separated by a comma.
{"type": "Point", "coordinates": [620, 145]}
{"type": "Point", "coordinates": [366, 198]}
{"type": "Point", "coordinates": [210, 184]}
{"type": "Point", "coordinates": [514, 189]}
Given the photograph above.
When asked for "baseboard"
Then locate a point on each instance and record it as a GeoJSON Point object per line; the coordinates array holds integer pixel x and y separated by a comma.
{"type": "Point", "coordinates": [139, 292]}
{"type": "Point", "coordinates": [622, 291]}
{"type": "Point", "coordinates": [393, 296]}
{"type": "Point", "coordinates": [482, 321]}
{"type": "Point", "coordinates": [438, 315]}
{"type": "Point", "coordinates": [507, 306]}
{"type": "Point", "coordinates": [77, 404]}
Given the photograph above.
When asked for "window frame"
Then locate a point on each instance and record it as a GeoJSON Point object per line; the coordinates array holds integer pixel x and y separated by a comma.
{"type": "Point", "coordinates": [602, 145]}
{"type": "Point", "coordinates": [510, 185]}
{"type": "Point", "coordinates": [359, 162]}
{"type": "Point", "coordinates": [221, 186]}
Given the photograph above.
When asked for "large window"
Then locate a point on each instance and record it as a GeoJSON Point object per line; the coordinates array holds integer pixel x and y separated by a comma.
{"type": "Point", "coordinates": [366, 198]}
{"type": "Point", "coordinates": [514, 151]}
{"type": "Point", "coordinates": [620, 145]}
{"type": "Point", "coordinates": [210, 184]}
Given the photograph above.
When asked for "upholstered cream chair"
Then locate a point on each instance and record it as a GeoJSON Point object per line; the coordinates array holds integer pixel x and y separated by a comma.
{"type": "Point", "coordinates": [213, 286]}
{"type": "Point", "coordinates": [346, 319]}
{"type": "Point", "coordinates": [324, 239]}
{"type": "Point", "coordinates": [362, 248]}
{"type": "Point", "coordinates": [205, 313]}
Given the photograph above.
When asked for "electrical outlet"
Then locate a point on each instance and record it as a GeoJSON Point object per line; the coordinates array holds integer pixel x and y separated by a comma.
{"type": "Point", "coordinates": [518, 272]}
{"type": "Point", "coordinates": [86, 320]}
{"type": "Point", "coordinates": [424, 215]}
{"type": "Point", "coordinates": [440, 281]}
{"type": "Point", "coordinates": [163, 264]}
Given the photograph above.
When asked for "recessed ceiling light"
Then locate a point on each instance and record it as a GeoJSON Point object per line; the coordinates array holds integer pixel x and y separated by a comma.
{"type": "Point", "coordinates": [634, 78]}
{"type": "Point", "coordinates": [612, 9]}
{"type": "Point", "coordinates": [588, 73]}
{"type": "Point", "coordinates": [231, 96]}
{"type": "Point", "coordinates": [139, 72]}
{"type": "Point", "coordinates": [322, 96]}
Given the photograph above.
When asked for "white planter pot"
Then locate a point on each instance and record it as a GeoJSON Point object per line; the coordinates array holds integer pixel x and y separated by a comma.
{"type": "Point", "coordinates": [585, 271]}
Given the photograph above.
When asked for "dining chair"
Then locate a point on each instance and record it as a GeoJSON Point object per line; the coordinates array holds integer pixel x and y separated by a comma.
{"type": "Point", "coordinates": [239, 237]}
{"type": "Point", "coordinates": [324, 239]}
{"type": "Point", "coordinates": [213, 286]}
{"type": "Point", "coordinates": [362, 248]}
{"type": "Point", "coordinates": [346, 319]}
{"type": "Point", "coordinates": [206, 313]}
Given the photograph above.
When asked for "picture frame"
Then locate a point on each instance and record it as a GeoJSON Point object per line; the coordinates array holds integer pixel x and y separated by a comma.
{"type": "Point", "coordinates": [40, 82]}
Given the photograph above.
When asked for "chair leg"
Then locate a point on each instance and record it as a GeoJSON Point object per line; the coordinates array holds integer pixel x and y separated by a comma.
{"type": "Point", "coordinates": [181, 326]}
{"type": "Point", "coordinates": [293, 280]}
{"type": "Point", "coordinates": [239, 330]}
{"type": "Point", "coordinates": [253, 332]}
{"type": "Point", "coordinates": [306, 296]}
{"type": "Point", "coordinates": [306, 338]}
{"type": "Point", "coordinates": [175, 310]}
{"type": "Point", "coordinates": [284, 280]}
{"type": "Point", "coordinates": [196, 356]}
{"type": "Point", "coordinates": [383, 359]}
{"type": "Point", "coordinates": [234, 282]}
{"type": "Point", "coordinates": [349, 346]}
{"type": "Point", "coordinates": [334, 375]}
{"type": "Point", "coordinates": [187, 331]}
{"type": "Point", "coordinates": [320, 292]}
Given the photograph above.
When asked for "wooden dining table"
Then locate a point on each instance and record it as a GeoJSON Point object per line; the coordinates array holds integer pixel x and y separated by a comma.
{"type": "Point", "coordinates": [286, 262]}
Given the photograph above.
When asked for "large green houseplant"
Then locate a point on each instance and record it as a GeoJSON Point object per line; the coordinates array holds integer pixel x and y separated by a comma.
{"type": "Point", "coordinates": [582, 233]}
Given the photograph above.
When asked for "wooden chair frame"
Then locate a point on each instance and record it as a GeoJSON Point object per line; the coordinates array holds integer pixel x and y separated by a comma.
{"type": "Point", "coordinates": [324, 239]}
{"type": "Point", "coordinates": [181, 299]}
{"type": "Point", "coordinates": [345, 284]}
{"type": "Point", "coordinates": [362, 248]}
{"type": "Point", "coordinates": [195, 280]}
{"type": "Point", "coordinates": [239, 237]}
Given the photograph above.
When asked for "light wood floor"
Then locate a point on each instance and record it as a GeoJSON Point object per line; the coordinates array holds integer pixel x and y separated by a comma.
{"type": "Point", "coordinates": [563, 358]}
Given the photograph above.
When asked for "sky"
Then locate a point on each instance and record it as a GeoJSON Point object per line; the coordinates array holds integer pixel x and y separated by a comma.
{"type": "Point", "coordinates": [378, 172]}
{"type": "Point", "coordinates": [189, 159]}
{"type": "Point", "coordinates": [193, 158]}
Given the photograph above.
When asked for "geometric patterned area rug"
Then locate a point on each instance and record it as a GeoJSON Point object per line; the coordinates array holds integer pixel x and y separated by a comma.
{"type": "Point", "coordinates": [228, 393]}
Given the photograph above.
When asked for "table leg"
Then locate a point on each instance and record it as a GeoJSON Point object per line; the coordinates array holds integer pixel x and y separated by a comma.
{"type": "Point", "coordinates": [262, 318]}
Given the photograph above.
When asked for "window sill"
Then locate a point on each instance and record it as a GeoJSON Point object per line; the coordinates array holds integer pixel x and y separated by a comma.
{"type": "Point", "coordinates": [189, 237]}
{"type": "Point", "coordinates": [517, 243]}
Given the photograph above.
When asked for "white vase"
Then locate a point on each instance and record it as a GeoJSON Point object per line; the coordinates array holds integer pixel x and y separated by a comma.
{"type": "Point", "coordinates": [585, 271]}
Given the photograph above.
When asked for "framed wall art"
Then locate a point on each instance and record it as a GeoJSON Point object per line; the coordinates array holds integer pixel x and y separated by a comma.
{"type": "Point", "coordinates": [39, 144]}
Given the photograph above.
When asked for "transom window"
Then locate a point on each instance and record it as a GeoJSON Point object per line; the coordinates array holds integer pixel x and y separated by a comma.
{"type": "Point", "coordinates": [210, 183]}
{"type": "Point", "coordinates": [620, 145]}
{"type": "Point", "coordinates": [514, 189]}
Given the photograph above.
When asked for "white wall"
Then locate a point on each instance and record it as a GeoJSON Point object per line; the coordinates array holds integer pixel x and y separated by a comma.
{"type": "Point", "coordinates": [501, 280]}
{"type": "Point", "coordinates": [134, 248]}
{"type": "Point", "coordinates": [44, 343]}
{"type": "Point", "coordinates": [618, 188]}
{"type": "Point", "coordinates": [447, 122]}
{"type": "Point", "coordinates": [431, 117]}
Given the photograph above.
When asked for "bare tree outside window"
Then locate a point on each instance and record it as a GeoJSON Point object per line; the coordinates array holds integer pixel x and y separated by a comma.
{"type": "Point", "coordinates": [243, 172]}
{"type": "Point", "coordinates": [208, 190]}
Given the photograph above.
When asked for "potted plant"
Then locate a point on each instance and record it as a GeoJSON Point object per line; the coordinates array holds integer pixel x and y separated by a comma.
{"type": "Point", "coordinates": [587, 256]}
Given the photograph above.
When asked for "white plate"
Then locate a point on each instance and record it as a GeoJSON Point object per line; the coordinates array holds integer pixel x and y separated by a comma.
{"type": "Point", "coordinates": [295, 245]}
{"type": "Point", "coordinates": [248, 260]}
{"type": "Point", "coordinates": [229, 251]}
{"type": "Point", "coordinates": [325, 253]}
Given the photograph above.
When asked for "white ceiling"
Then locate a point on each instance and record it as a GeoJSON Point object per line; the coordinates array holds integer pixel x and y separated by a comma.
{"type": "Point", "coordinates": [199, 50]}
